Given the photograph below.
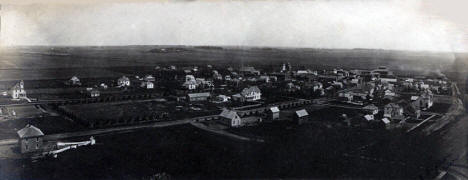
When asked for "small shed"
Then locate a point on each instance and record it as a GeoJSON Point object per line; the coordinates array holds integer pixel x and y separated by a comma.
{"type": "Point", "coordinates": [274, 113]}
{"type": "Point", "coordinates": [301, 116]}
{"type": "Point", "coordinates": [30, 139]}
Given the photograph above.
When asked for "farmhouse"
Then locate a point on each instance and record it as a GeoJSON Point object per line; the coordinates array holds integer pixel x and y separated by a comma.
{"type": "Point", "coordinates": [230, 118]}
{"type": "Point", "coordinates": [190, 82]}
{"type": "Point", "coordinates": [30, 139]}
{"type": "Point", "coordinates": [17, 91]}
{"type": "Point", "coordinates": [393, 111]}
{"type": "Point", "coordinates": [147, 84]}
{"type": "Point", "coordinates": [252, 93]}
{"type": "Point", "coordinates": [74, 81]}
{"type": "Point", "coordinates": [124, 81]}
{"type": "Point", "coordinates": [94, 93]}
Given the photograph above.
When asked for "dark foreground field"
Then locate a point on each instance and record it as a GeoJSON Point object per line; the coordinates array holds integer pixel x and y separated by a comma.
{"type": "Point", "coordinates": [186, 152]}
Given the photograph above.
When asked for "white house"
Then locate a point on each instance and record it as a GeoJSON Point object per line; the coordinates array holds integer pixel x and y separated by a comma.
{"type": "Point", "coordinates": [223, 98]}
{"type": "Point", "coordinates": [371, 108]}
{"type": "Point", "coordinates": [147, 84]}
{"type": "Point", "coordinates": [74, 81]}
{"type": "Point", "coordinates": [149, 77]}
{"type": "Point", "coordinates": [190, 82]}
{"type": "Point", "coordinates": [123, 81]}
{"type": "Point", "coordinates": [94, 93]}
{"type": "Point", "coordinates": [252, 93]}
{"type": "Point", "coordinates": [17, 91]}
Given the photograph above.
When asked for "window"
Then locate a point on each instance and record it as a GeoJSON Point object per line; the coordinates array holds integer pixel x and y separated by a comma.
{"type": "Point", "coordinates": [37, 145]}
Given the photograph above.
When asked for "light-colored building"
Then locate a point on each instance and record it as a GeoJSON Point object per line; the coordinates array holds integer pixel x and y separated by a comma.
{"type": "Point", "coordinates": [274, 113]}
{"type": "Point", "coordinates": [124, 81]}
{"type": "Point", "coordinates": [94, 93]}
{"type": "Point", "coordinates": [393, 111]}
{"type": "Point", "coordinates": [371, 108]}
{"type": "Point", "coordinates": [301, 116]}
{"type": "Point", "coordinates": [75, 81]}
{"type": "Point", "coordinates": [192, 97]}
{"type": "Point", "coordinates": [17, 91]}
{"type": "Point", "coordinates": [230, 118]}
{"type": "Point", "coordinates": [147, 84]}
{"type": "Point", "coordinates": [251, 93]}
{"type": "Point", "coordinates": [223, 98]}
{"type": "Point", "coordinates": [149, 78]}
{"type": "Point", "coordinates": [190, 82]}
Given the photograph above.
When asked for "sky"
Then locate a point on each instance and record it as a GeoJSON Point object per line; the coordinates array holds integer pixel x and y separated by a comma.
{"type": "Point", "coordinates": [401, 25]}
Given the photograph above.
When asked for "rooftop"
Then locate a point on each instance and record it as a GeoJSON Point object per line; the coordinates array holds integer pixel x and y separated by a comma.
{"type": "Point", "coordinates": [29, 131]}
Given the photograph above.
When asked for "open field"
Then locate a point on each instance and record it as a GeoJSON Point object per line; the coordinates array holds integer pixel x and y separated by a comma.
{"type": "Point", "coordinates": [40, 62]}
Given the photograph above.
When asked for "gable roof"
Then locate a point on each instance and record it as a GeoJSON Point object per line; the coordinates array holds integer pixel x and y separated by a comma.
{"type": "Point", "coordinates": [370, 107]}
{"type": "Point", "coordinates": [385, 120]}
{"type": "Point", "coordinates": [274, 109]}
{"type": "Point", "coordinates": [30, 131]}
{"type": "Point", "coordinates": [194, 95]}
{"type": "Point", "coordinates": [369, 117]}
{"type": "Point", "coordinates": [301, 113]}
{"type": "Point", "coordinates": [247, 91]}
{"type": "Point", "coordinates": [229, 114]}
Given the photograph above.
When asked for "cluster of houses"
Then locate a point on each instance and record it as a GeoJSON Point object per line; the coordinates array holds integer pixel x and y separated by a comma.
{"type": "Point", "coordinates": [231, 118]}
{"type": "Point", "coordinates": [381, 95]}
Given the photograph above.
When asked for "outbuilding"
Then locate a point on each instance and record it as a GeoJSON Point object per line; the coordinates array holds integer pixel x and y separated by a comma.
{"type": "Point", "coordinates": [301, 116]}
{"type": "Point", "coordinates": [274, 113]}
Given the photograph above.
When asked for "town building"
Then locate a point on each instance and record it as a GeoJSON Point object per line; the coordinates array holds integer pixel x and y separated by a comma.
{"type": "Point", "coordinates": [149, 78]}
{"type": "Point", "coordinates": [94, 93]}
{"type": "Point", "coordinates": [249, 70]}
{"type": "Point", "coordinates": [74, 81]}
{"type": "Point", "coordinates": [190, 82]}
{"type": "Point", "coordinates": [193, 97]}
{"type": "Point", "coordinates": [250, 120]}
{"type": "Point", "coordinates": [30, 139]}
{"type": "Point", "coordinates": [393, 111]}
{"type": "Point", "coordinates": [301, 116]}
{"type": "Point", "coordinates": [423, 101]}
{"type": "Point", "coordinates": [265, 79]}
{"type": "Point", "coordinates": [371, 109]}
{"type": "Point", "coordinates": [17, 91]}
{"type": "Point", "coordinates": [147, 84]}
{"type": "Point", "coordinates": [222, 98]}
{"type": "Point", "coordinates": [230, 118]}
{"type": "Point", "coordinates": [251, 93]}
{"type": "Point", "coordinates": [124, 81]}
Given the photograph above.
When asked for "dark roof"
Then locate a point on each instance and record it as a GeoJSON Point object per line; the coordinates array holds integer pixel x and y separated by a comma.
{"type": "Point", "coordinates": [29, 131]}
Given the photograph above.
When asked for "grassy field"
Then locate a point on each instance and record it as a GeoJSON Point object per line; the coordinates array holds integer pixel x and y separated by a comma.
{"type": "Point", "coordinates": [40, 62]}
